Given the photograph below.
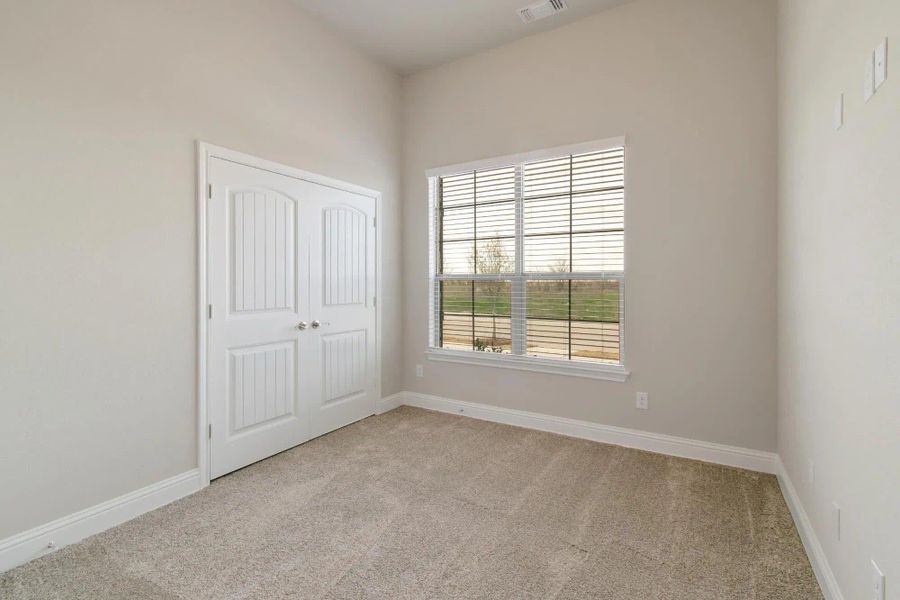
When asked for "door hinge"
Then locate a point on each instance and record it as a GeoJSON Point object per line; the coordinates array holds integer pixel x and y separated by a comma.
{"type": "Point", "coordinates": [374, 221]}
{"type": "Point", "coordinates": [209, 431]}
{"type": "Point", "coordinates": [209, 191]}
{"type": "Point", "coordinates": [209, 311]}
{"type": "Point", "coordinates": [374, 300]}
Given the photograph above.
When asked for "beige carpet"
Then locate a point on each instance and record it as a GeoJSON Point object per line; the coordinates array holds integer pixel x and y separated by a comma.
{"type": "Point", "coordinates": [419, 504]}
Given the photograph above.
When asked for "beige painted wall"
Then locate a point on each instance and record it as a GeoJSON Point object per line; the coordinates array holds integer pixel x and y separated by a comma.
{"type": "Point", "coordinates": [692, 86]}
{"type": "Point", "coordinates": [100, 104]}
{"type": "Point", "coordinates": [839, 282]}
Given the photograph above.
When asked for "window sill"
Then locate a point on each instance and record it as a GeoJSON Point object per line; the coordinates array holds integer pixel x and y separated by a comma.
{"type": "Point", "coordinates": [608, 372]}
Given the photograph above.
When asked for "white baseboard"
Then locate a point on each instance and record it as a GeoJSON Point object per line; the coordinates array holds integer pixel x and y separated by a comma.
{"type": "Point", "coordinates": [31, 544]}
{"type": "Point", "coordinates": [815, 552]}
{"type": "Point", "coordinates": [733, 456]}
{"type": "Point", "coordinates": [389, 403]}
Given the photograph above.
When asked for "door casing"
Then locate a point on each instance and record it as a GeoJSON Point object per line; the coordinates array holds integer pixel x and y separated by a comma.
{"type": "Point", "coordinates": [205, 152]}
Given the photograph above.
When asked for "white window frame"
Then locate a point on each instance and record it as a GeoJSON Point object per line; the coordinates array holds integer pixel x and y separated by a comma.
{"type": "Point", "coordinates": [605, 371]}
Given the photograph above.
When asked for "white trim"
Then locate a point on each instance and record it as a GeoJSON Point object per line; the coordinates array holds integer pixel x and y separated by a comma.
{"type": "Point", "coordinates": [31, 544]}
{"type": "Point", "coordinates": [212, 151]}
{"type": "Point", "coordinates": [389, 403]}
{"type": "Point", "coordinates": [206, 151]}
{"type": "Point", "coordinates": [732, 456]}
{"type": "Point", "coordinates": [511, 159]}
{"type": "Point", "coordinates": [609, 372]}
{"type": "Point", "coordinates": [203, 151]}
{"type": "Point", "coordinates": [817, 558]}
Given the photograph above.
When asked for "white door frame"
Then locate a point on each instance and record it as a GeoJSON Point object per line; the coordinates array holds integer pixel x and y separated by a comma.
{"type": "Point", "coordinates": [205, 152]}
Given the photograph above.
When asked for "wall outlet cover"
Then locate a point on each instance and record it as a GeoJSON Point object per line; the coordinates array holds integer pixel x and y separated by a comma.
{"type": "Point", "coordinates": [642, 401]}
{"type": "Point", "coordinates": [877, 583]}
{"type": "Point", "coordinates": [839, 112]}
{"type": "Point", "coordinates": [837, 521]}
{"type": "Point", "coordinates": [880, 63]}
{"type": "Point", "coordinates": [869, 77]}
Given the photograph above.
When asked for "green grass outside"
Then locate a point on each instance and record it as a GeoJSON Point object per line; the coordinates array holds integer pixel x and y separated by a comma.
{"type": "Point", "coordinates": [595, 303]}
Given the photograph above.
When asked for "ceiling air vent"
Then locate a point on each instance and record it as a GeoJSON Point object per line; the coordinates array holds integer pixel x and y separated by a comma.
{"type": "Point", "coordinates": [542, 9]}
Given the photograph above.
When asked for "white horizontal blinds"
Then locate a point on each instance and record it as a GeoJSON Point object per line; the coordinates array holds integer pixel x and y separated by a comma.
{"type": "Point", "coordinates": [457, 315]}
{"type": "Point", "coordinates": [574, 213]}
{"type": "Point", "coordinates": [573, 227]}
{"type": "Point", "coordinates": [573, 319]}
{"type": "Point", "coordinates": [477, 213]}
{"type": "Point", "coordinates": [475, 315]}
{"type": "Point", "coordinates": [531, 258]}
{"type": "Point", "coordinates": [478, 218]}
{"type": "Point", "coordinates": [434, 313]}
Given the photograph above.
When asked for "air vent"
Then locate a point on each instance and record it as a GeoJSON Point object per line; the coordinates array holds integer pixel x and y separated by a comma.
{"type": "Point", "coordinates": [539, 10]}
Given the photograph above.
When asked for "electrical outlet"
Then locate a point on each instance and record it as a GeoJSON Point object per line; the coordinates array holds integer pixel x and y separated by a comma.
{"type": "Point", "coordinates": [869, 77]}
{"type": "Point", "coordinates": [837, 521]}
{"type": "Point", "coordinates": [839, 112]}
{"type": "Point", "coordinates": [643, 401]}
{"type": "Point", "coordinates": [877, 583]}
{"type": "Point", "coordinates": [420, 371]}
{"type": "Point", "coordinates": [811, 472]}
{"type": "Point", "coordinates": [880, 63]}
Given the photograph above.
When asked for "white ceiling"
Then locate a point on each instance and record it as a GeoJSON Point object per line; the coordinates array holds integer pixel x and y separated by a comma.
{"type": "Point", "coordinates": [409, 35]}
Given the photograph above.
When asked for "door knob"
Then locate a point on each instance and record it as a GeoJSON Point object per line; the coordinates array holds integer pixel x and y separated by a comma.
{"type": "Point", "coordinates": [315, 324]}
{"type": "Point", "coordinates": [301, 325]}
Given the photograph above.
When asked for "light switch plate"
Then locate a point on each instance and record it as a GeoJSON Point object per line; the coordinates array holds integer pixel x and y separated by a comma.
{"type": "Point", "coordinates": [880, 63]}
{"type": "Point", "coordinates": [869, 77]}
{"type": "Point", "coordinates": [839, 112]}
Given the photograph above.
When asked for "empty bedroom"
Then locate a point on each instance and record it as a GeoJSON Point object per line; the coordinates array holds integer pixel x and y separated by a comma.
{"type": "Point", "coordinates": [407, 299]}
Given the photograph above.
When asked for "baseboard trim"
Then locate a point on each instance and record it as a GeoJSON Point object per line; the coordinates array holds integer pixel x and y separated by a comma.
{"type": "Point", "coordinates": [389, 403]}
{"type": "Point", "coordinates": [31, 544]}
{"type": "Point", "coordinates": [815, 552]}
{"type": "Point", "coordinates": [733, 456]}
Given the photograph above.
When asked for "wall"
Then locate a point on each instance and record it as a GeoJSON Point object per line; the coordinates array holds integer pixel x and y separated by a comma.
{"type": "Point", "coordinates": [839, 282]}
{"type": "Point", "coordinates": [692, 86]}
{"type": "Point", "coordinates": [101, 103]}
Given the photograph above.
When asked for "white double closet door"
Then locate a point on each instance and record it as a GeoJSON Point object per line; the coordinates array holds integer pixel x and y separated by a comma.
{"type": "Point", "coordinates": [291, 337]}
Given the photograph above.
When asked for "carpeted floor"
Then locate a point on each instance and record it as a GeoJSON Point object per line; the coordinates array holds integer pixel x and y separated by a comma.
{"type": "Point", "coordinates": [419, 504]}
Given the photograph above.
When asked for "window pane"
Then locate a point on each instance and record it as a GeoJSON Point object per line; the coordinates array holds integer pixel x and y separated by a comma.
{"type": "Point", "coordinates": [458, 224]}
{"type": "Point", "coordinates": [495, 256]}
{"type": "Point", "coordinates": [547, 215]}
{"type": "Point", "coordinates": [577, 319]}
{"type": "Point", "coordinates": [547, 319]}
{"type": "Point", "coordinates": [597, 210]}
{"type": "Point", "coordinates": [456, 315]}
{"type": "Point", "coordinates": [547, 253]}
{"type": "Point", "coordinates": [492, 316]}
{"type": "Point", "coordinates": [457, 190]}
{"type": "Point", "coordinates": [546, 178]}
{"type": "Point", "coordinates": [456, 257]}
{"type": "Point", "coordinates": [598, 251]}
{"type": "Point", "coordinates": [495, 184]}
{"type": "Point", "coordinates": [596, 309]}
{"type": "Point", "coordinates": [598, 170]}
{"type": "Point", "coordinates": [476, 316]}
{"type": "Point", "coordinates": [497, 219]}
